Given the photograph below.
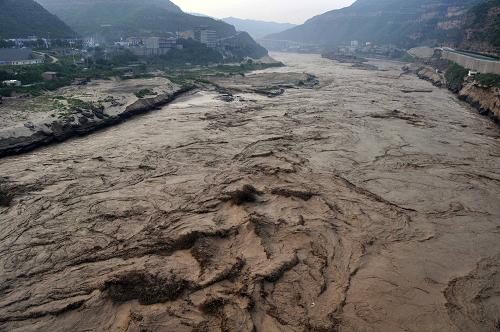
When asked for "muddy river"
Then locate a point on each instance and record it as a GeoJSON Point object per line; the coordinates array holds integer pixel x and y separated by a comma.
{"type": "Point", "coordinates": [358, 205]}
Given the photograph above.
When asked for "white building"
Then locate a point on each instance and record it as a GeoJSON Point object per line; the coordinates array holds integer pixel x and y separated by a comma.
{"type": "Point", "coordinates": [206, 36]}
{"type": "Point", "coordinates": [11, 83]}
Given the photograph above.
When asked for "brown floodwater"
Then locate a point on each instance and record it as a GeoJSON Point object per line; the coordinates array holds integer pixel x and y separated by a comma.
{"type": "Point", "coordinates": [363, 208]}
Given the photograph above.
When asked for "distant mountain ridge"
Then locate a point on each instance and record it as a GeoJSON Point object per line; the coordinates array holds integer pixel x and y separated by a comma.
{"type": "Point", "coordinates": [258, 29]}
{"type": "Point", "coordinates": [129, 17]}
{"type": "Point", "coordinates": [76, 5]}
{"type": "Point", "coordinates": [23, 18]}
{"type": "Point", "coordinates": [405, 23]}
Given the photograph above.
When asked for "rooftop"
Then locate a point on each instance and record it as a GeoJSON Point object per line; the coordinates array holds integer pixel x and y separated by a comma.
{"type": "Point", "coordinates": [15, 54]}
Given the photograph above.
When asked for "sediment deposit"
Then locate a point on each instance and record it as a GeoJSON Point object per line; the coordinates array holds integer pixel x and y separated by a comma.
{"type": "Point", "coordinates": [367, 202]}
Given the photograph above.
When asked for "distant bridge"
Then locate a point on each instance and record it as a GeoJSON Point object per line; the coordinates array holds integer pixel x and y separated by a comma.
{"type": "Point", "coordinates": [282, 44]}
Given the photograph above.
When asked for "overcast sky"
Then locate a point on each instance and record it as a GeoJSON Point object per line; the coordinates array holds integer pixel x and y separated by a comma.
{"type": "Point", "coordinates": [292, 11]}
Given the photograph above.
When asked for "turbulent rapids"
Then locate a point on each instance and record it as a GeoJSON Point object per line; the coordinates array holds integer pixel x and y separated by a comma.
{"type": "Point", "coordinates": [367, 202]}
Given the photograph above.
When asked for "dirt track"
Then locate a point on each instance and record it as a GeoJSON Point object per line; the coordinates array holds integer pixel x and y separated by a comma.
{"type": "Point", "coordinates": [373, 210]}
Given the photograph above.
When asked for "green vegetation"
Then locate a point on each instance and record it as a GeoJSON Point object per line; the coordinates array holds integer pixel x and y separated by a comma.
{"type": "Point", "coordinates": [145, 92]}
{"type": "Point", "coordinates": [113, 20]}
{"type": "Point", "coordinates": [23, 18]}
{"type": "Point", "coordinates": [201, 75]}
{"type": "Point", "coordinates": [6, 43]}
{"type": "Point", "coordinates": [63, 106]}
{"type": "Point", "coordinates": [193, 64]}
{"type": "Point", "coordinates": [247, 47]}
{"type": "Point", "coordinates": [193, 53]}
{"type": "Point", "coordinates": [488, 80]}
{"type": "Point", "coordinates": [70, 105]}
{"type": "Point", "coordinates": [455, 75]}
{"type": "Point", "coordinates": [67, 72]}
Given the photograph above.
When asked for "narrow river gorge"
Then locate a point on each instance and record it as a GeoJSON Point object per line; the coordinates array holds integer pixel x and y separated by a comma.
{"type": "Point", "coordinates": [370, 202]}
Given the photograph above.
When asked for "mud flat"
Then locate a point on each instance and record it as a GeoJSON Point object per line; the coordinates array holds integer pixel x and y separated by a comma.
{"type": "Point", "coordinates": [349, 206]}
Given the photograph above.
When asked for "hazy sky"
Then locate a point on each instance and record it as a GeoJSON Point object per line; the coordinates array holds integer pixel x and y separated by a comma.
{"type": "Point", "coordinates": [293, 11]}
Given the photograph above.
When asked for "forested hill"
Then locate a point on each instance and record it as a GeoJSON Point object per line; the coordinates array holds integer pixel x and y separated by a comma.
{"type": "Point", "coordinates": [122, 18]}
{"type": "Point", "coordinates": [23, 18]}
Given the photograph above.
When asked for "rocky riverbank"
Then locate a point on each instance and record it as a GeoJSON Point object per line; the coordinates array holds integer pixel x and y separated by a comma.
{"type": "Point", "coordinates": [486, 99]}
{"type": "Point", "coordinates": [75, 111]}
{"type": "Point", "coordinates": [77, 122]}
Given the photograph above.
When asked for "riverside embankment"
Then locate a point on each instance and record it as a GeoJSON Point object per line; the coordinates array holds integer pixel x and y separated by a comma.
{"type": "Point", "coordinates": [368, 202]}
{"type": "Point", "coordinates": [485, 99]}
{"type": "Point", "coordinates": [108, 103]}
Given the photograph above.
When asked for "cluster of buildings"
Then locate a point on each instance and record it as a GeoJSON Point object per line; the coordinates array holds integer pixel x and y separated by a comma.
{"type": "Point", "coordinates": [368, 49]}
{"type": "Point", "coordinates": [154, 46]}
{"type": "Point", "coordinates": [139, 46]}
{"type": "Point", "coordinates": [150, 46]}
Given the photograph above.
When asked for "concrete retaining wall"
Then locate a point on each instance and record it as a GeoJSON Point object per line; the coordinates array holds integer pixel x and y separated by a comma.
{"type": "Point", "coordinates": [479, 65]}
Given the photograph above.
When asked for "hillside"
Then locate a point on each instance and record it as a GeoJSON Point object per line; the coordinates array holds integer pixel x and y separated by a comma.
{"type": "Point", "coordinates": [23, 18]}
{"type": "Point", "coordinates": [405, 23]}
{"type": "Point", "coordinates": [119, 18]}
{"type": "Point", "coordinates": [257, 29]}
{"type": "Point", "coordinates": [482, 28]}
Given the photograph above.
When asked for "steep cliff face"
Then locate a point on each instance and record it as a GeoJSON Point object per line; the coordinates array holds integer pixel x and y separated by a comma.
{"type": "Point", "coordinates": [481, 31]}
{"type": "Point", "coordinates": [405, 23]}
{"type": "Point", "coordinates": [467, 24]}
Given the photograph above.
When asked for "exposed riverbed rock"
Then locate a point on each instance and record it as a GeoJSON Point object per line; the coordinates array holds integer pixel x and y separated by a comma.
{"type": "Point", "coordinates": [76, 122]}
{"type": "Point", "coordinates": [430, 74]}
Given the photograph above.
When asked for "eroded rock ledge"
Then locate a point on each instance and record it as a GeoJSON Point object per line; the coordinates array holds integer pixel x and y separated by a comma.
{"type": "Point", "coordinates": [29, 136]}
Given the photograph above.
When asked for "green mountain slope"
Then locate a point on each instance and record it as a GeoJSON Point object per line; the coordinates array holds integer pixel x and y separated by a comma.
{"type": "Point", "coordinates": [23, 18]}
{"type": "Point", "coordinates": [122, 18]}
{"type": "Point", "coordinates": [404, 23]}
